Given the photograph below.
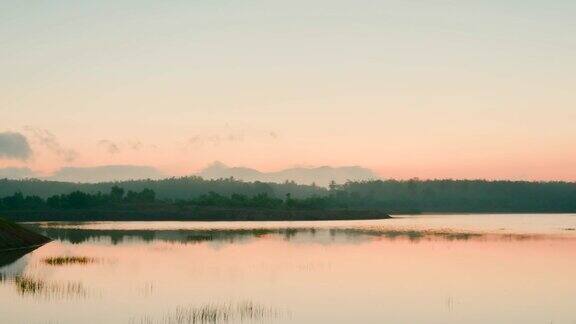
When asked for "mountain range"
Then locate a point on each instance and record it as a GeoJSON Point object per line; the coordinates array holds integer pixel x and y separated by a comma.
{"type": "Point", "coordinates": [321, 176]}
{"type": "Point", "coordinates": [318, 175]}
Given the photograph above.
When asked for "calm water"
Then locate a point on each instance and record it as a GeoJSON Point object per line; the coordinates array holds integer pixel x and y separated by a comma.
{"type": "Point", "coordinates": [425, 269]}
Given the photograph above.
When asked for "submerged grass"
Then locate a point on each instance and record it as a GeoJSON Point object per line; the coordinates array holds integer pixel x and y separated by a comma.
{"type": "Point", "coordinates": [67, 260]}
{"type": "Point", "coordinates": [29, 286]}
{"type": "Point", "coordinates": [443, 234]}
{"type": "Point", "coordinates": [246, 311]}
{"type": "Point", "coordinates": [413, 235]}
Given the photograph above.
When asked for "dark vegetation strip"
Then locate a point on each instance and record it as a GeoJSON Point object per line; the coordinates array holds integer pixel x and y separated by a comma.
{"type": "Point", "coordinates": [196, 198]}
{"type": "Point", "coordinates": [143, 205]}
{"type": "Point", "coordinates": [191, 214]}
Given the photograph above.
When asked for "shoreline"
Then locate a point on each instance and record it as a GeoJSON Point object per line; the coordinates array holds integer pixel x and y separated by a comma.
{"type": "Point", "coordinates": [196, 214]}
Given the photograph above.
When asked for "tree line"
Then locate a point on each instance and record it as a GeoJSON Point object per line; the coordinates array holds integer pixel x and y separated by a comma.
{"type": "Point", "coordinates": [78, 200]}
{"type": "Point", "coordinates": [170, 188]}
{"type": "Point", "coordinates": [118, 197]}
{"type": "Point", "coordinates": [389, 195]}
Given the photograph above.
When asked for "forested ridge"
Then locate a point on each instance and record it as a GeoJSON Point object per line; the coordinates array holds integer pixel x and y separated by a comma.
{"type": "Point", "coordinates": [171, 188]}
{"type": "Point", "coordinates": [143, 205]}
{"type": "Point", "coordinates": [389, 195]}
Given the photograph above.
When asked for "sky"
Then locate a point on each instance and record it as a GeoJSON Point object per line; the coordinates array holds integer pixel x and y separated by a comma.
{"type": "Point", "coordinates": [420, 88]}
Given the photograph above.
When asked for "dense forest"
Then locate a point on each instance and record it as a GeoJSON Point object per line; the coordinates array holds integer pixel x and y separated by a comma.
{"type": "Point", "coordinates": [118, 204]}
{"type": "Point", "coordinates": [118, 198]}
{"type": "Point", "coordinates": [171, 188]}
{"type": "Point", "coordinates": [390, 195]}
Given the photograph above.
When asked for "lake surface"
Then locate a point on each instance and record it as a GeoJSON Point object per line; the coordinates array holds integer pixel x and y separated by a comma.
{"type": "Point", "coordinates": [413, 269]}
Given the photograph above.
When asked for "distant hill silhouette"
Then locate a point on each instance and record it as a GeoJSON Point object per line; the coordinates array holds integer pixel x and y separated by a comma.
{"type": "Point", "coordinates": [319, 175]}
{"type": "Point", "coordinates": [17, 173]}
{"type": "Point", "coordinates": [105, 173]}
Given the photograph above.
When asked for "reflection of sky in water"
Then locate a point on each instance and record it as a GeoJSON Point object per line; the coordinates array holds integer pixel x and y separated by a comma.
{"type": "Point", "coordinates": [301, 272]}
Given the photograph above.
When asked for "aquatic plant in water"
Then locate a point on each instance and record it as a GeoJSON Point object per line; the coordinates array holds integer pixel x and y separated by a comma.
{"type": "Point", "coordinates": [29, 286]}
{"type": "Point", "coordinates": [66, 260]}
{"type": "Point", "coordinates": [215, 313]}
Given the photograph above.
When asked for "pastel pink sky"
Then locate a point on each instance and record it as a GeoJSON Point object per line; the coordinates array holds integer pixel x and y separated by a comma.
{"type": "Point", "coordinates": [434, 89]}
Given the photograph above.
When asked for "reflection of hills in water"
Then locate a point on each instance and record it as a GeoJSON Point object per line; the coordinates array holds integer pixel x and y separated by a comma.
{"type": "Point", "coordinates": [296, 235]}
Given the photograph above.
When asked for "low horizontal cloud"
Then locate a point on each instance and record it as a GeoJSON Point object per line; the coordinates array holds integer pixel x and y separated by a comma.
{"type": "Point", "coordinates": [14, 146]}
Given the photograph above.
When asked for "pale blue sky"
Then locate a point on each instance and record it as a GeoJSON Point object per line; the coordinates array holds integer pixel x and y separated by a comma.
{"type": "Point", "coordinates": [410, 88]}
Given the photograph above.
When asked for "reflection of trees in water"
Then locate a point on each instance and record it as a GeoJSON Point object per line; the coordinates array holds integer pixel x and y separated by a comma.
{"type": "Point", "coordinates": [224, 236]}
{"type": "Point", "coordinates": [77, 235]}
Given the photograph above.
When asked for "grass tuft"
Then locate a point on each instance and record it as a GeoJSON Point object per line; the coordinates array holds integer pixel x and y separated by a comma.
{"type": "Point", "coordinates": [214, 313]}
{"type": "Point", "coordinates": [28, 286]}
{"type": "Point", "coordinates": [67, 260]}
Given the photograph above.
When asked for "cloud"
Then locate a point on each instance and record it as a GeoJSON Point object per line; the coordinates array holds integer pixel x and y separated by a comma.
{"type": "Point", "coordinates": [48, 140]}
{"type": "Point", "coordinates": [231, 137]}
{"type": "Point", "coordinates": [110, 146]}
{"type": "Point", "coordinates": [215, 140]}
{"type": "Point", "coordinates": [136, 146]}
{"type": "Point", "coordinates": [14, 146]}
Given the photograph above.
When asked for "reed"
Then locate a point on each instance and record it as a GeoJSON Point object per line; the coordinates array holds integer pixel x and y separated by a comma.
{"type": "Point", "coordinates": [29, 286]}
{"type": "Point", "coordinates": [68, 260]}
{"type": "Point", "coordinates": [246, 311]}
